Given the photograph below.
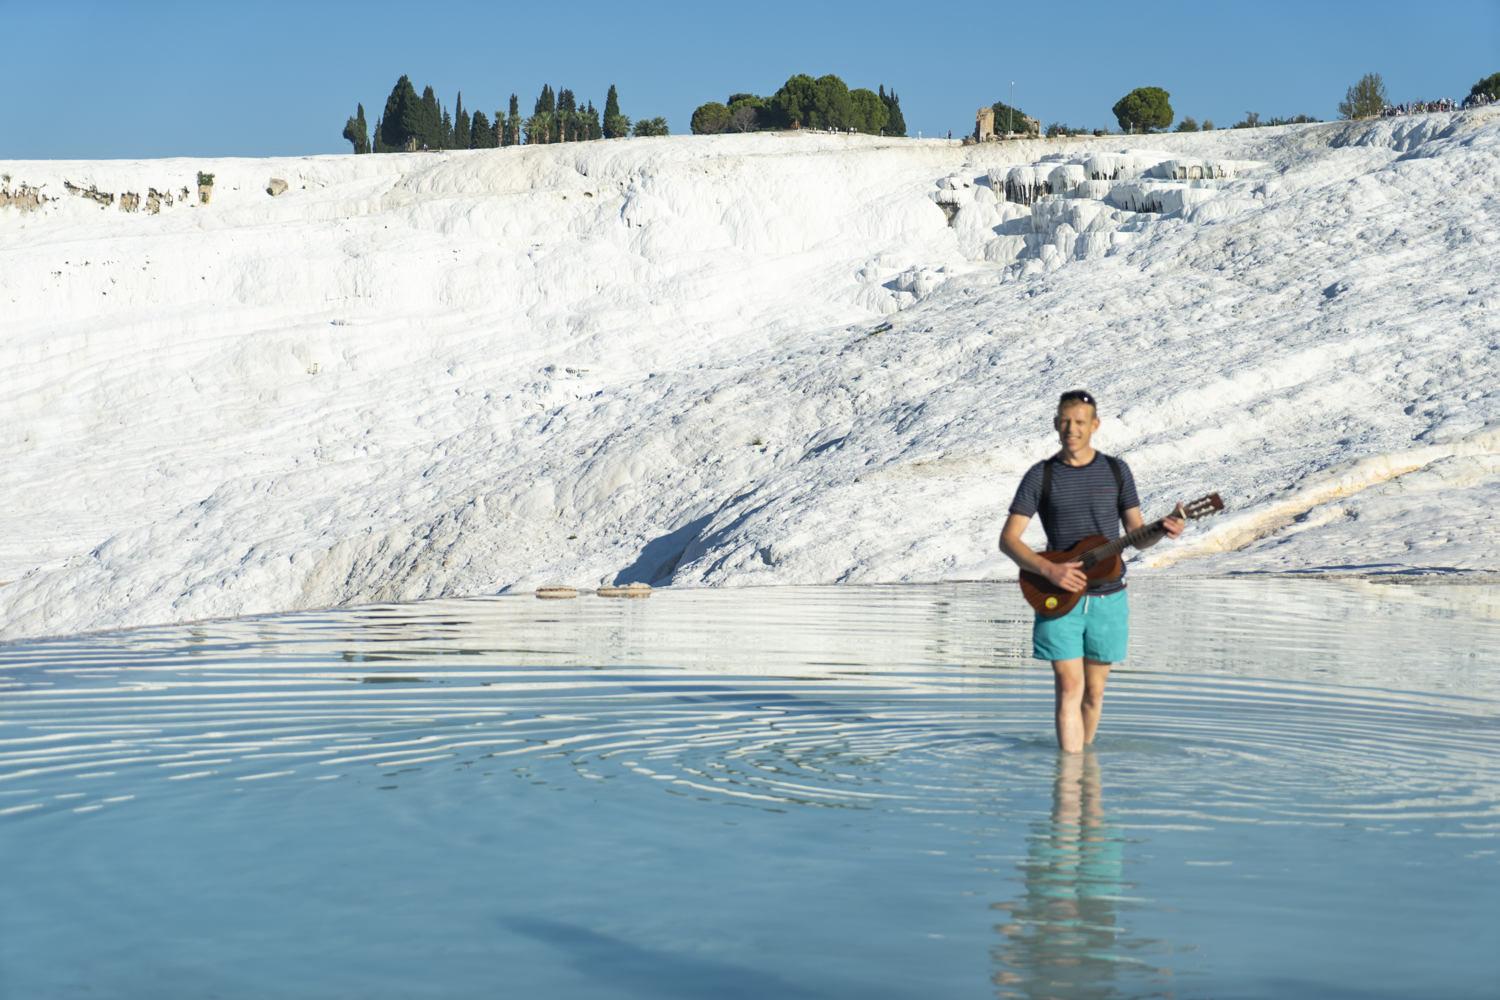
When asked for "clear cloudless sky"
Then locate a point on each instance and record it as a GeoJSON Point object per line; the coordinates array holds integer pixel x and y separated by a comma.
{"type": "Point", "coordinates": [98, 80]}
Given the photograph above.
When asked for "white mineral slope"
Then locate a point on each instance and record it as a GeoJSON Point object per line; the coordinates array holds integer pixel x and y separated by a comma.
{"type": "Point", "coordinates": [691, 360]}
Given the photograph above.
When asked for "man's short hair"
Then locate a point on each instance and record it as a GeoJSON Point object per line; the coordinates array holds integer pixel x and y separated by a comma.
{"type": "Point", "coordinates": [1075, 396]}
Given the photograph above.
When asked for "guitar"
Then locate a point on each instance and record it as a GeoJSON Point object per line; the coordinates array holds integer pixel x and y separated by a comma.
{"type": "Point", "coordinates": [1101, 560]}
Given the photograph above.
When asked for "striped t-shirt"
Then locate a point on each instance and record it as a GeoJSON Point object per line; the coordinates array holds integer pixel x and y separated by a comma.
{"type": "Point", "coordinates": [1083, 500]}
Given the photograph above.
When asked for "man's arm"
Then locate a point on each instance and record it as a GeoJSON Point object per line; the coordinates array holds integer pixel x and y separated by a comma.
{"type": "Point", "coordinates": [1173, 523]}
{"type": "Point", "coordinates": [1064, 576]}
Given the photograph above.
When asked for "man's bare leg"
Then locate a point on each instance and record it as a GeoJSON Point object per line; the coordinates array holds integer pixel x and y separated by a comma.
{"type": "Point", "coordinates": [1078, 698]}
{"type": "Point", "coordinates": [1067, 698]}
{"type": "Point", "coordinates": [1095, 676]}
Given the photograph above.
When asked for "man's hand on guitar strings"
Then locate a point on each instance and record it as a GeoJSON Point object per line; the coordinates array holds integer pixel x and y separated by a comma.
{"type": "Point", "coordinates": [1174, 522]}
{"type": "Point", "coordinates": [1067, 576]}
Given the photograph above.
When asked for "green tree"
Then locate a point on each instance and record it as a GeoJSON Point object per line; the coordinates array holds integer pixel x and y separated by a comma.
{"type": "Point", "coordinates": [1009, 119]}
{"type": "Point", "coordinates": [1144, 109]}
{"type": "Point", "coordinates": [832, 107]}
{"type": "Point", "coordinates": [510, 133]}
{"type": "Point", "coordinates": [402, 120]}
{"type": "Point", "coordinates": [1364, 99]}
{"type": "Point", "coordinates": [1489, 85]}
{"type": "Point", "coordinates": [461, 136]}
{"type": "Point", "coordinates": [870, 112]}
{"type": "Point", "coordinates": [651, 126]}
{"type": "Point", "coordinates": [596, 131]}
{"type": "Point", "coordinates": [796, 101]}
{"type": "Point", "coordinates": [710, 119]}
{"type": "Point", "coordinates": [1208, 124]}
{"type": "Point", "coordinates": [356, 132]}
{"type": "Point", "coordinates": [538, 128]}
{"type": "Point", "coordinates": [616, 125]}
{"type": "Point", "coordinates": [430, 131]}
{"type": "Point", "coordinates": [896, 123]}
{"type": "Point", "coordinates": [567, 116]}
{"type": "Point", "coordinates": [1188, 124]}
{"type": "Point", "coordinates": [480, 134]}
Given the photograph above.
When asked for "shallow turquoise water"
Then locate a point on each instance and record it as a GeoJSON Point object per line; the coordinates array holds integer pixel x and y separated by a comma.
{"type": "Point", "coordinates": [803, 792]}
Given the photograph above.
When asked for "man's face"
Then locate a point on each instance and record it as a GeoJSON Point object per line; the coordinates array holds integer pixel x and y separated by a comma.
{"type": "Point", "coordinates": [1075, 425]}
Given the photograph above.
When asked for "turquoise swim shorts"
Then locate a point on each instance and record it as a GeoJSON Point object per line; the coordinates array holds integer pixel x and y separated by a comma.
{"type": "Point", "coordinates": [1097, 627]}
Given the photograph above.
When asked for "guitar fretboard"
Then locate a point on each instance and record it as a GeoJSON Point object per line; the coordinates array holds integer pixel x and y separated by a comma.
{"type": "Point", "coordinates": [1135, 537]}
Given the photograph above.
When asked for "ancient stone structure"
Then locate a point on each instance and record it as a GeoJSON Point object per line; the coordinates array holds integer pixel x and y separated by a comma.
{"type": "Point", "coordinates": [984, 124]}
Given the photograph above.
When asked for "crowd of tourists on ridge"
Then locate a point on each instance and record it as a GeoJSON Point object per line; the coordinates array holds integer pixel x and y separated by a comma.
{"type": "Point", "coordinates": [1447, 104]}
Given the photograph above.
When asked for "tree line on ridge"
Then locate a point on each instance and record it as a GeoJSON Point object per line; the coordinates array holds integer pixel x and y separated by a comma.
{"type": "Point", "coordinates": [822, 103]}
{"type": "Point", "coordinates": [410, 122]}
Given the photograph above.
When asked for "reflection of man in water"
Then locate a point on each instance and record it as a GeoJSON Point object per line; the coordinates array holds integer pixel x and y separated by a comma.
{"type": "Point", "coordinates": [1079, 492]}
{"type": "Point", "coordinates": [1065, 938]}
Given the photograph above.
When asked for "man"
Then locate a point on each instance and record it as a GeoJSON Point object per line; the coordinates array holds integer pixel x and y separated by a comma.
{"type": "Point", "coordinates": [1079, 492]}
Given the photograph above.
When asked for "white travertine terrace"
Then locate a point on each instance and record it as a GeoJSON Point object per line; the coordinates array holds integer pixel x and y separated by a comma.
{"type": "Point", "coordinates": [734, 360]}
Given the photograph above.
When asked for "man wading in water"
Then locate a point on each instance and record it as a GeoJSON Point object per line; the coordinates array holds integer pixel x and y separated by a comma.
{"type": "Point", "coordinates": [1078, 492]}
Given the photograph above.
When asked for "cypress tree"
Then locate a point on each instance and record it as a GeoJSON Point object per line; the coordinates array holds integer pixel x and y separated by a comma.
{"type": "Point", "coordinates": [567, 106]}
{"type": "Point", "coordinates": [430, 130]}
{"type": "Point", "coordinates": [480, 135]}
{"type": "Point", "coordinates": [461, 136]}
{"type": "Point", "coordinates": [616, 125]}
{"type": "Point", "coordinates": [595, 131]}
{"type": "Point", "coordinates": [513, 122]}
{"type": "Point", "coordinates": [541, 122]}
{"type": "Point", "coordinates": [446, 141]}
{"type": "Point", "coordinates": [896, 124]}
{"type": "Point", "coordinates": [403, 117]}
{"type": "Point", "coordinates": [411, 119]}
{"type": "Point", "coordinates": [357, 133]}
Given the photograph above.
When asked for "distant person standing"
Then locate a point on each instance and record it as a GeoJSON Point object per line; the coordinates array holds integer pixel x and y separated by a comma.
{"type": "Point", "coordinates": [1078, 492]}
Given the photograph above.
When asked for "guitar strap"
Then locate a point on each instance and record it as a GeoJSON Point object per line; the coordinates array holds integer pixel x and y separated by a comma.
{"type": "Point", "coordinates": [1114, 466]}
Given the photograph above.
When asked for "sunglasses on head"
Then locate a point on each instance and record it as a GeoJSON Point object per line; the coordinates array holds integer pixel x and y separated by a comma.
{"type": "Point", "coordinates": [1076, 396]}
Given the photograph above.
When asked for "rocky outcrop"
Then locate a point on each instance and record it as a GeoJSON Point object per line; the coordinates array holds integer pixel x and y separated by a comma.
{"type": "Point", "coordinates": [26, 198]}
{"type": "Point", "coordinates": [102, 197]}
{"type": "Point", "coordinates": [277, 186]}
{"type": "Point", "coordinates": [130, 202]}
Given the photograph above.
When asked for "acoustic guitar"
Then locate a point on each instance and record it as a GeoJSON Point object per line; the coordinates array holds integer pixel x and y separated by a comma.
{"type": "Point", "coordinates": [1101, 560]}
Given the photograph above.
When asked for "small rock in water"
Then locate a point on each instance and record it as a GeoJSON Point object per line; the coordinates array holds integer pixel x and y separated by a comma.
{"type": "Point", "coordinates": [628, 590]}
{"type": "Point", "coordinates": [556, 593]}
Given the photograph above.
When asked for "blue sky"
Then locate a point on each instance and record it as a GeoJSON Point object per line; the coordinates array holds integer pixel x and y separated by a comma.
{"type": "Point", "coordinates": [132, 80]}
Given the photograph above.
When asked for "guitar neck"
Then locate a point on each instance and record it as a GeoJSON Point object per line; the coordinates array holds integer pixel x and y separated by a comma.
{"type": "Point", "coordinates": [1135, 537]}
